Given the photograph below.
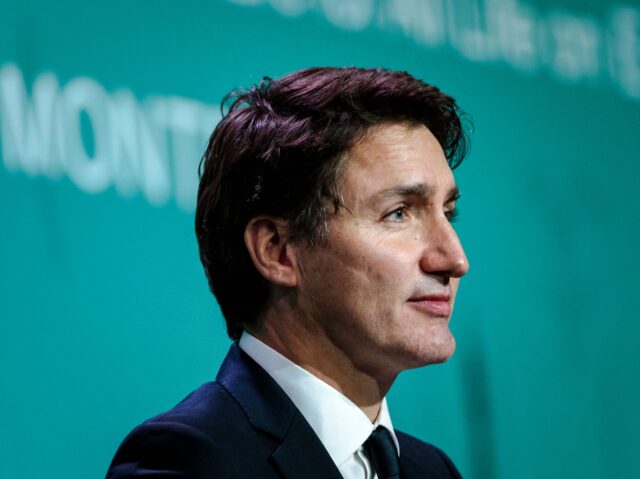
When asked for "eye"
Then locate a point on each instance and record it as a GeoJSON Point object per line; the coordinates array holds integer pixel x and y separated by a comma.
{"type": "Point", "coordinates": [452, 215]}
{"type": "Point", "coordinates": [399, 214]}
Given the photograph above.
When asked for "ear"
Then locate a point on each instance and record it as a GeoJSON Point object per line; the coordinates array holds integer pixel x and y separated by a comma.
{"type": "Point", "coordinates": [268, 244]}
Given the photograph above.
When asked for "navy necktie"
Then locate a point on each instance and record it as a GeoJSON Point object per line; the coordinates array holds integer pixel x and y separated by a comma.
{"type": "Point", "coordinates": [381, 452]}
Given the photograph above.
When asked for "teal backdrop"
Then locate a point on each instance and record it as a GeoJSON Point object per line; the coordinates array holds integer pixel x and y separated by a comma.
{"type": "Point", "coordinates": [105, 315]}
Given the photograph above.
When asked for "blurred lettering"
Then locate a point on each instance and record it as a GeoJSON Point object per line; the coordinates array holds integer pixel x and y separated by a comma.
{"type": "Point", "coordinates": [348, 14]}
{"type": "Point", "coordinates": [577, 43]}
{"type": "Point", "coordinates": [625, 48]}
{"type": "Point", "coordinates": [153, 147]}
{"type": "Point", "coordinates": [28, 137]}
{"type": "Point", "coordinates": [568, 47]}
{"type": "Point", "coordinates": [421, 20]}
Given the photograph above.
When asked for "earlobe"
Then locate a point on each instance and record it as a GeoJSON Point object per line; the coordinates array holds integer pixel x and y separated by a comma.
{"type": "Point", "coordinates": [268, 244]}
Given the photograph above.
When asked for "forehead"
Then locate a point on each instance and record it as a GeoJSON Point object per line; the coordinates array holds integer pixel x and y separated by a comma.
{"type": "Point", "coordinates": [395, 154]}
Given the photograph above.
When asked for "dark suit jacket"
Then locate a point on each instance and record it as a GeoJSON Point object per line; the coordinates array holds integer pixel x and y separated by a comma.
{"type": "Point", "coordinates": [244, 426]}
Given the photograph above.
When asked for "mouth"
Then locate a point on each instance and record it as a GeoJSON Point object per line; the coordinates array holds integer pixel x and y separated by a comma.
{"type": "Point", "coordinates": [433, 304]}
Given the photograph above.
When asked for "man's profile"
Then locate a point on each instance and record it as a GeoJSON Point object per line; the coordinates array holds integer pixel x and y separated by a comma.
{"type": "Point", "coordinates": [324, 225]}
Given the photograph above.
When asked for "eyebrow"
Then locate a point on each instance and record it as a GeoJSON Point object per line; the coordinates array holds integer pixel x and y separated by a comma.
{"type": "Point", "coordinates": [421, 190]}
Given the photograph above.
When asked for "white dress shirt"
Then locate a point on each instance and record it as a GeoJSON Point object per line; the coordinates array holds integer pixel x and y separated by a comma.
{"type": "Point", "coordinates": [341, 426]}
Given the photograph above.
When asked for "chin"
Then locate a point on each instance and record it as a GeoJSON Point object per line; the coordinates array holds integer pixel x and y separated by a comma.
{"type": "Point", "coordinates": [441, 358]}
{"type": "Point", "coordinates": [438, 349]}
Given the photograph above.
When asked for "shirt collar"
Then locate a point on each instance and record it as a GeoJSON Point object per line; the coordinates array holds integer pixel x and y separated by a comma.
{"type": "Point", "coordinates": [341, 426]}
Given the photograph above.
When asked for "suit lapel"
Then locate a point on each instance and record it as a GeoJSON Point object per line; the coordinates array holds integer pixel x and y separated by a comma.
{"type": "Point", "coordinates": [266, 405]}
{"type": "Point", "coordinates": [410, 469]}
{"type": "Point", "coordinates": [300, 453]}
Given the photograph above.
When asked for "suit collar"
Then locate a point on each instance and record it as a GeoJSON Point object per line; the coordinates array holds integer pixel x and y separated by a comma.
{"type": "Point", "coordinates": [268, 409]}
{"type": "Point", "coordinates": [328, 411]}
{"type": "Point", "coordinates": [266, 405]}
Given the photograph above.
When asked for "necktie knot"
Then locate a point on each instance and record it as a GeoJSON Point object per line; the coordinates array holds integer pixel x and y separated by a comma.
{"type": "Point", "coordinates": [381, 452]}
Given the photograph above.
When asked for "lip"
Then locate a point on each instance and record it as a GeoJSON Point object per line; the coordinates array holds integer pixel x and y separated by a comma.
{"type": "Point", "coordinates": [433, 304]}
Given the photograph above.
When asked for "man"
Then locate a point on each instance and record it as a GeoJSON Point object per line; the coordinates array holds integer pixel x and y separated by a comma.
{"type": "Point", "coordinates": [324, 224]}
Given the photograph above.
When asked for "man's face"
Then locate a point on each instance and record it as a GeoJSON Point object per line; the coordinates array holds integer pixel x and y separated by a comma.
{"type": "Point", "coordinates": [383, 286]}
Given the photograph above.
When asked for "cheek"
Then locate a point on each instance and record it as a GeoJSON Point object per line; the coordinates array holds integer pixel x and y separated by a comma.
{"type": "Point", "coordinates": [370, 271]}
{"type": "Point", "coordinates": [387, 282]}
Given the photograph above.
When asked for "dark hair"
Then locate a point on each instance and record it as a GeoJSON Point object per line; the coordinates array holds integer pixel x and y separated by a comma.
{"type": "Point", "coordinates": [278, 150]}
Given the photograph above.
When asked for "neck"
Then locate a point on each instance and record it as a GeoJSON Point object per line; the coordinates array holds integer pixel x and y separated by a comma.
{"type": "Point", "coordinates": [312, 350]}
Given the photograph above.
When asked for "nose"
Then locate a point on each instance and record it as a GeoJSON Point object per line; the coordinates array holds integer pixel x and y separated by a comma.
{"type": "Point", "coordinates": [443, 255]}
